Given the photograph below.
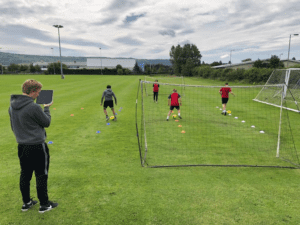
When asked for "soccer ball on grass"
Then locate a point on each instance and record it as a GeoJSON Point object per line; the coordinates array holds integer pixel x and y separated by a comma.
{"type": "Point", "coordinates": [112, 117]}
{"type": "Point", "coordinates": [174, 116]}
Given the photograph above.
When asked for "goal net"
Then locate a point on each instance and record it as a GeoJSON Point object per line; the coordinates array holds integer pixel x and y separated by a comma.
{"type": "Point", "coordinates": [164, 79]}
{"type": "Point", "coordinates": [291, 92]}
{"type": "Point", "coordinates": [250, 134]}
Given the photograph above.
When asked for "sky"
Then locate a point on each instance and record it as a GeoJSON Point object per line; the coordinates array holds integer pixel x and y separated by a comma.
{"type": "Point", "coordinates": [147, 29]}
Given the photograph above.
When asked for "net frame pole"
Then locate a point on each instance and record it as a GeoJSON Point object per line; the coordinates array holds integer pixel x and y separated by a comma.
{"type": "Point", "coordinates": [280, 120]}
{"type": "Point", "coordinates": [136, 123]}
{"type": "Point", "coordinates": [287, 78]}
{"type": "Point", "coordinates": [144, 124]}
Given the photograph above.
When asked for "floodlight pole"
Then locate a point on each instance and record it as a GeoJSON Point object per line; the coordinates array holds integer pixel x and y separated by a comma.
{"type": "Point", "coordinates": [287, 65]}
{"type": "Point", "coordinates": [101, 61]}
{"type": "Point", "coordinates": [61, 70]}
{"type": "Point", "coordinates": [53, 62]}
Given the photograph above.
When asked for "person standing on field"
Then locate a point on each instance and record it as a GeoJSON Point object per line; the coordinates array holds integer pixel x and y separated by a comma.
{"type": "Point", "coordinates": [108, 94]}
{"type": "Point", "coordinates": [173, 103]}
{"type": "Point", "coordinates": [224, 92]}
{"type": "Point", "coordinates": [28, 121]}
{"type": "Point", "coordinates": [155, 90]}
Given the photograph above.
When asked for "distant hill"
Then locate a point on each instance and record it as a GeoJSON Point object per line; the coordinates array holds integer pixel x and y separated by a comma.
{"type": "Point", "coordinates": [9, 58]}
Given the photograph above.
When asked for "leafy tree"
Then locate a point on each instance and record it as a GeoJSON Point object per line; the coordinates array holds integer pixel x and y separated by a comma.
{"type": "Point", "coordinates": [188, 68]}
{"type": "Point", "coordinates": [274, 61]}
{"type": "Point", "coordinates": [37, 68]}
{"type": "Point", "coordinates": [258, 64]}
{"type": "Point", "coordinates": [136, 69]}
{"type": "Point", "coordinates": [229, 62]}
{"type": "Point", "coordinates": [179, 56]}
{"type": "Point", "coordinates": [216, 63]}
{"type": "Point", "coordinates": [24, 68]}
{"type": "Point", "coordinates": [119, 67]}
{"type": "Point", "coordinates": [293, 58]}
{"type": "Point", "coordinates": [55, 67]}
{"type": "Point", "coordinates": [120, 71]}
{"type": "Point", "coordinates": [13, 67]}
{"type": "Point", "coordinates": [127, 71]}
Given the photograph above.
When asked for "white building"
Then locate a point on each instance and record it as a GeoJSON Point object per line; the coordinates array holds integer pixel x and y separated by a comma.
{"type": "Point", "coordinates": [110, 63]}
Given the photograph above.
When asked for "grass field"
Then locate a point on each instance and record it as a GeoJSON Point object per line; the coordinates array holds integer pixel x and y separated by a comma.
{"type": "Point", "coordinates": [97, 178]}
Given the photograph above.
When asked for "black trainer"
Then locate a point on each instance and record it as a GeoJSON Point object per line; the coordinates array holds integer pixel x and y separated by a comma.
{"type": "Point", "coordinates": [115, 119]}
{"type": "Point", "coordinates": [180, 117]}
{"type": "Point", "coordinates": [27, 206]}
{"type": "Point", "coordinates": [167, 119]}
{"type": "Point", "coordinates": [107, 118]}
{"type": "Point", "coordinates": [45, 208]}
{"type": "Point", "coordinates": [225, 113]}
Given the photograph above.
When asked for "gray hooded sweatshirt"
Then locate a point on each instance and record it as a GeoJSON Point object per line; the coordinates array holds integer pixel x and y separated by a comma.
{"type": "Point", "coordinates": [108, 94]}
{"type": "Point", "coordinates": [28, 120]}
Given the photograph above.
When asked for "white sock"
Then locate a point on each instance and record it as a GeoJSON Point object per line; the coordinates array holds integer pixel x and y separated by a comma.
{"type": "Point", "coordinates": [167, 117]}
{"type": "Point", "coordinates": [178, 114]}
{"type": "Point", "coordinates": [28, 203]}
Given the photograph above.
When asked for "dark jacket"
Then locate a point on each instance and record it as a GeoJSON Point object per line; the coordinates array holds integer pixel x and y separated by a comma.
{"type": "Point", "coordinates": [28, 120]}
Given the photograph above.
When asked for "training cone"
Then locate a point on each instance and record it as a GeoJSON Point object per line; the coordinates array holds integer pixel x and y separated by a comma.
{"type": "Point", "coordinates": [98, 132]}
{"type": "Point", "coordinates": [183, 132]}
{"type": "Point", "coordinates": [179, 125]}
{"type": "Point", "coordinates": [72, 115]}
{"type": "Point", "coordinates": [108, 124]}
{"type": "Point", "coordinates": [176, 120]}
{"type": "Point", "coordinates": [50, 142]}
{"type": "Point", "coordinates": [54, 108]}
{"type": "Point", "coordinates": [82, 108]}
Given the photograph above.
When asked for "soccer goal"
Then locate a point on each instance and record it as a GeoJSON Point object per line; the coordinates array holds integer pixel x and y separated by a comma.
{"type": "Point", "coordinates": [291, 92]}
{"type": "Point", "coordinates": [251, 134]}
{"type": "Point", "coordinates": [164, 79]}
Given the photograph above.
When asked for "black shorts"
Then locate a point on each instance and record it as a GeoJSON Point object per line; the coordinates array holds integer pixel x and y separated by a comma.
{"type": "Point", "coordinates": [109, 104]}
{"type": "Point", "coordinates": [224, 100]}
{"type": "Point", "coordinates": [176, 107]}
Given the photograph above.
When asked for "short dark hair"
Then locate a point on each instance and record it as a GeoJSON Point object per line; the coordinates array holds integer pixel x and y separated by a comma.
{"type": "Point", "coordinates": [226, 83]}
{"type": "Point", "coordinates": [156, 80]}
{"type": "Point", "coordinates": [108, 86]}
{"type": "Point", "coordinates": [174, 90]}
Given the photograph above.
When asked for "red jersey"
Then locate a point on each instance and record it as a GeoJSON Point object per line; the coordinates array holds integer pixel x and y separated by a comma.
{"type": "Point", "coordinates": [155, 87]}
{"type": "Point", "coordinates": [225, 92]}
{"type": "Point", "coordinates": [174, 99]}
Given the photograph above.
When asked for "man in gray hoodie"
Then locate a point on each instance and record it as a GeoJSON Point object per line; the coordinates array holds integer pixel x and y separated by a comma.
{"type": "Point", "coordinates": [108, 94]}
{"type": "Point", "coordinates": [28, 122]}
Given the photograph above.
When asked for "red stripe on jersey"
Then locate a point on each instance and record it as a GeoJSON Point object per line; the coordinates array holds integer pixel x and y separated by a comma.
{"type": "Point", "coordinates": [225, 92]}
{"type": "Point", "coordinates": [155, 88]}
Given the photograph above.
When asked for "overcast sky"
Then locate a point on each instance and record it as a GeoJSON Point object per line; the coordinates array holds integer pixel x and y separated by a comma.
{"type": "Point", "coordinates": [147, 29]}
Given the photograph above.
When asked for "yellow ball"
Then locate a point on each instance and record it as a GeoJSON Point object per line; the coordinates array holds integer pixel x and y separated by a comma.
{"type": "Point", "coordinates": [174, 116]}
{"type": "Point", "coordinates": [112, 117]}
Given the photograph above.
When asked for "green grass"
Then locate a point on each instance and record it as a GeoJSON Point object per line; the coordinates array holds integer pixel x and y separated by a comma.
{"type": "Point", "coordinates": [98, 179]}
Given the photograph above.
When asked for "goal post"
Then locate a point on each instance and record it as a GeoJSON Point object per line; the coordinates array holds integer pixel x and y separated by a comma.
{"type": "Point", "coordinates": [290, 78]}
{"type": "Point", "coordinates": [251, 134]}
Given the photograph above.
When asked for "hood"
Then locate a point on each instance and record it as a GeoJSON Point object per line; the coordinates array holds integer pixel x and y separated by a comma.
{"type": "Point", "coordinates": [19, 101]}
{"type": "Point", "coordinates": [109, 90]}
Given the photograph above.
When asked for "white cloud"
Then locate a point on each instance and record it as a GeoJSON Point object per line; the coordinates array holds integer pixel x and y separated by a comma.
{"type": "Point", "coordinates": [252, 27]}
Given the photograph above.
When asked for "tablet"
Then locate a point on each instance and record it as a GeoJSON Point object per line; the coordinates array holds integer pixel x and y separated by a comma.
{"type": "Point", "coordinates": [45, 97]}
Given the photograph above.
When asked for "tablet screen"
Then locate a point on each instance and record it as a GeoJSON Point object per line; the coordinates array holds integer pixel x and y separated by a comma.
{"type": "Point", "coordinates": [45, 97]}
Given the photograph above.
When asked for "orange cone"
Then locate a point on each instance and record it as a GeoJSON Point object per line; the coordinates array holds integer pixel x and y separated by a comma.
{"type": "Point", "coordinates": [179, 125]}
{"type": "Point", "coordinates": [183, 132]}
{"type": "Point", "coordinates": [72, 115]}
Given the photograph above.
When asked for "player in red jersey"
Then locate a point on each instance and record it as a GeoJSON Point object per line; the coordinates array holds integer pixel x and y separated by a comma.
{"type": "Point", "coordinates": [224, 92]}
{"type": "Point", "coordinates": [155, 90]}
{"type": "Point", "coordinates": [173, 103]}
